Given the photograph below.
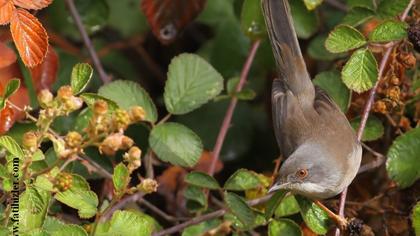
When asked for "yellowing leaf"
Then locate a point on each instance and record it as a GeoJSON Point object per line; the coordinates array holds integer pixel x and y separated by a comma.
{"type": "Point", "coordinates": [6, 10]}
{"type": "Point", "coordinates": [32, 4]}
{"type": "Point", "coordinates": [29, 36]}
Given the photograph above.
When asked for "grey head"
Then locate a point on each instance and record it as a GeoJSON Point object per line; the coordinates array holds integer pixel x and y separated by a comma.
{"type": "Point", "coordinates": [313, 172]}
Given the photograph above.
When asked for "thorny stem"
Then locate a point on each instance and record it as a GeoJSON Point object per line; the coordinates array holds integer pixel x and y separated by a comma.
{"type": "Point", "coordinates": [88, 43]}
{"type": "Point", "coordinates": [229, 112]}
{"type": "Point", "coordinates": [368, 107]}
{"type": "Point", "coordinates": [208, 216]}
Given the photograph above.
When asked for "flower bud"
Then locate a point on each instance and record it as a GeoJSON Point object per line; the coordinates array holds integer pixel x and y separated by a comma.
{"type": "Point", "coordinates": [121, 119]}
{"type": "Point", "coordinates": [132, 157]}
{"type": "Point", "coordinates": [100, 107]}
{"type": "Point", "coordinates": [111, 144]}
{"type": "Point", "coordinates": [73, 139]}
{"type": "Point", "coordinates": [126, 142]}
{"type": "Point", "coordinates": [30, 141]}
{"type": "Point", "coordinates": [45, 98]}
{"type": "Point", "coordinates": [64, 92]}
{"type": "Point", "coordinates": [137, 113]}
{"type": "Point", "coordinates": [148, 186]}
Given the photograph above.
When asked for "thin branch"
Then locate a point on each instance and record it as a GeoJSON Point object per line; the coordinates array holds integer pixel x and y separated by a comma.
{"type": "Point", "coordinates": [158, 211]}
{"type": "Point", "coordinates": [88, 43]}
{"type": "Point", "coordinates": [368, 107]}
{"type": "Point", "coordinates": [229, 112]}
{"type": "Point", "coordinates": [205, 217]}
{"type": "Point", "coordinates": [120, 204]}
{"type": "Point", "coordinates": [380, 159]}
{"type": "Point", "coordinates": [337, 4]}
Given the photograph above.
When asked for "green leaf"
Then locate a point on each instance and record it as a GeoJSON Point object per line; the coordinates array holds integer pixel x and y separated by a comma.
{"type": "Point", "coordinates": [274, 201]}
{"type": "Point", "coordinates": [402, 164]}
{"type": "Point", "coordinates": [11, 87]}
{"type": "Point", "coordinates": [317, 50]}
{"type": "Point", "coordinates": [239, 208]}
{"type": "Point", "coordinates": [252, 19]}
{"type": "Point", "coordinates": [33, 205]}
{"type": "Point", "coordinates": [195, 194]}
{"type": "Point", "coordinates": [374, 128]}
{"type": "Point", "coordinates": [361, 71]}
{"type": "Point", "coordinates": [391, 8]}
{"type": "Point", "coordinates": [91, 98]}
{"type": "Point", "coordinates": [361, 3]}
{"type": "Point", "coordinates": [201, 228]}
{"type": "Point", "coordinates": [191, 82]}
{"type": "Point", "coordinates": [120, 178]}
{"type": "Point", "coordinates": [202, 180]}
{"type": "Point", "coordinates": [306, 22]}
{"type": "Point", "coordinates": [415, 217]}
{"type": "Point", "coordinates": [288, 206]}
{"type": "Point", "coordinates": [284, 227]}
{"type": "Point", "coordinates": [389, 31]}
{"type": "Point", "coordinates": [11, 146]}
{"type": "Point", "coordinates": [126, 223]}
{"type": "Point", "coordinates": [242, 179]}
{"type": "Point", "coordinates": [175, 143]}
{"type": "Point", "coordinates": [80, 77]}
{"type": "Point", "coordinates": [357, 16]}
{"type": "Point", "coordinates": [128, 94]}
{"type": "Point", "coordinates": [239, 225]}
{"type": "Point", "coordinates": [315, 218]}
{"type": "Point", "coordinates": [331, 83]}
{"type": "Point", "coordinates": [344, 38]}
{"type": "Point", "coordinates": [80, 197]}
{"type": "Point", "coordinates": [312, 4]}
{"type": "Point", "coordinates": [54, 227]}
{"type": "Point", "coordinates": [3, 172]}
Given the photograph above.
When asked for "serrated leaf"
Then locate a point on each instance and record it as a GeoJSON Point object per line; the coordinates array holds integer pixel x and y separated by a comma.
{"type": "Point", "coordinates": [175, 143]}
{"type": "Point", "coordinates": [191, 82]}
{"type": "Point", "coordinates": [252, 19]}
{"type": "Point", "coordinates": [29, 36]}
{"type": "Point", "coordinates": [317, 50]}
{"type": "Point", "coordinates": [274, 201]}
{"type": "Point", "coordinates": [128, 94]}
{"type": "Point", "coordinates": [242, 179]}
{"type": "Point", "coordinates": [3, 172]}
{"type": "Point", "coordinates": [391, 8]}
{"type": "Point", "coordinates": [35, 201]}
{"type": "Point", "coordinates": [6, 10]}
{"type": "Point", "coordinates": [201, 228]}
{"type": "Point", "coordinates": [126, 223]}
{"type": "Point", "coordinates": [361, 3]}
{"type": "Point", "coordinates": [120, 178]}
{"type": "Point", "coordinates": [85, 201]}
{"type": "Point", "coordinates": [33, 205]}
{"type": "Point", "coordinates": [315, 218]}
{"type": "Point", "coordinates": [91, 98]}
{"type": "Point", "coordinates": [402, 164]}
{"type": "Point", "coordinates": [80, 77]}
{"type": "Point", "coordinates": [11, 146]}
{"type": "Point", "coordinates": [239, 225]}
{"type": "Point", "coordinates": [239, 208]}
{"type": "Point", "coordinates": [202, 180]}
{"type": "Point", "coordinates": [361, 71]}
{"type": "Point", "coordinates": [305, 22]}
{"type": "Point", "coordinates": [312, 4]}
{"type": "Point", "coordinates": [33, 5]}
{"type": "Point", "coordinates": [284, 227]}
{"type": "Point", "coordinates": [415, 217]}
{"type": "Point", "coordinates": [330, 82]}
{"type": "Point", "coordinates": [374, 128]}
{"type": "Point", "coordinates": [389, 31]}
{"type": "Point", "coordinates": [11, 88]}
{"type": "Point", "coordinates": [344, 38]}
{"type": "Point", "coordinates": [195, 194]}
{"type": "Point", "coordinates": [288, 206]}
{"type": "Point", "coordinates": [54, 227]}
{"type": "Point", "coordinates": [357, 16]}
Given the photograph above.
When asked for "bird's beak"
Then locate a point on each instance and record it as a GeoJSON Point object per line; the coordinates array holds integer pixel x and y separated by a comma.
{"type": "Point", "coordinates": [277, 186]}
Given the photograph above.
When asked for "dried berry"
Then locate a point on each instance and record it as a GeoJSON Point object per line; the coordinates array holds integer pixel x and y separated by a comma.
{"type": "Point", "coordinates": [137, 114]}
{"type": "Point", "coordinates": [414, 36]}
{"type": "Point", "coordinates": [30, 141]}
{"type": "Point", "coordinates": [126, 142]}
{"type": "Point", "coordinates": [393, 93]}
{"type": "Point", "coordinates": [111, 144]}
{"type": "Point", "coordinates": [148, 186]}
{"type": "Point", "coordinates": [63, 181]}
{"type": "Point", "coordinates": [380, 107]}
{"type": "Point", "coordinates": [408, 60]}
{"type": "Point", "coordinates": [394, 80]}
{"type": "Point", "coordinates": [121, 119]}
{"type": "Point", "coordinates": [45, 98]}
{"type": "Point", "coordinates": [73, 139]}
{"type": "Point", "coordinates": [64, 93]}
{"type": "Point", "coordinates": [132, 157]}
{"type": "Point", "coordinates": [100, 107]}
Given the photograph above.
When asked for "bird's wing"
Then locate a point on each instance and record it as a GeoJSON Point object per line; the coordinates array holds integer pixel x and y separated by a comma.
{"type": "Point", "coordinates": [290, 126]}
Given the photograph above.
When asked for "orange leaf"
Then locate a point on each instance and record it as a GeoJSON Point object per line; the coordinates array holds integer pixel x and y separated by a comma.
{"type": "Point", "coordinates": [7, 56]}
{"type": "Point", "coordinates": [32, 4]}
{"type": "Point", "coordinates": [6, 11]}
{"type": "Point", "coordinates": [45, 74]}
{"type": "Point", "coordinates": [6, 119]}
{"type": "Point", "coordinates": [30, 37]}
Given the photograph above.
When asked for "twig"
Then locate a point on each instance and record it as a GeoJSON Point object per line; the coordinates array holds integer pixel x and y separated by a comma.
{"type": "Point", "coordinates": [130, 198]}
{"type": "Point", "coordinates": [338, 5]}
{"type": "Point", "coordinates": [88, 43]}
{"type": "Point", "coordinates": [229, 113]}
{"type": "Point", "coordinates": [380, 159]}
{"type": "Point", "coordinates": [205, 217]}
{"type": "Point", "coordinates": [102, 171]}
{"type": "Point", "coordinates": [158, 211]}
{"type": "Point", "coordinates": [368, 107]}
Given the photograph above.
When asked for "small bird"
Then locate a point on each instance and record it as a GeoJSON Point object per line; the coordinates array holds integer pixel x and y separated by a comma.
{"type": "Point", "coordinates": [321, 149]}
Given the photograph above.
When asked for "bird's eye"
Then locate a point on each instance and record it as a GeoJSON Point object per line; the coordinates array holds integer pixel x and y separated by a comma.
{"type": "Point", "coordinates": [302, 173]}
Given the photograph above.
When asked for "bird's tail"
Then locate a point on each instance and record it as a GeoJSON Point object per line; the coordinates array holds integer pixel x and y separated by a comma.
{"type": "Point", "coordinates": [286, 48]}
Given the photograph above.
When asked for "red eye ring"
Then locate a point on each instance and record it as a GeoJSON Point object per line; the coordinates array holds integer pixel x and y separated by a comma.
{"type": "Point", "coordinates": [302, 173]}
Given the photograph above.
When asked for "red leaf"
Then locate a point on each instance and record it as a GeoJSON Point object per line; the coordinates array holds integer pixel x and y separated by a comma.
{"type": "Point", "coordinates": [32, 4]}
{"type": "Point", "coordinates": [7, 56]}
{"type": "Point", "coordinates": [6, 119]}
{"type": "Point", "coordinates": [30, 37]}
{"type": "Point", "coordinates": [21, 99]}
{"type": "Point", "coordinates": [45, 74]}
{"type": "Point", "coordinates": [168, 17]}
{"type": "Point", "coordinates": [6, 11]}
